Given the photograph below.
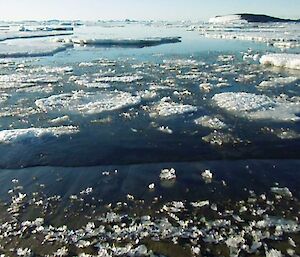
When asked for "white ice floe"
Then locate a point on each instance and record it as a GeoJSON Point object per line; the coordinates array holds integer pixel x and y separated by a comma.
{"type": "Point", "coordinates": [253, 106]}
{"type": "Point", "coordinates": [31, 49]}
{"type": "Point", "coordinates": [167, 108]}
{"type": "Point", "coordinates": [277, 82]}
{"type": "Point", "coordinates": [284, 191]}
{"type": "Point", "coordinates": [20, 135]}
{"type": "Point", "coordinates": [31, 34]}
{"type": "Point", "coordinates": [88, 102]}
{"type": "Point", "coordinates": [200, 204]}
{"type": "Point", "coordinates": [22, 80]}
{"type": "Point", "coordinates": [167, 174]}
{"type": "Point", "coordinates": [207, 176]}
{"type": "Point", "coordinates": [284, 35]}
{"type": "Point", "coordinates": [273, 253]}
{"type": "Point", "coordinates": [284, 60]}
{"type": "Point", "coordinates": [127, 42]}
{"type": "Point", "coordinates": [210, 122]}
{"type": "Point", "coordinates": [121, 79]}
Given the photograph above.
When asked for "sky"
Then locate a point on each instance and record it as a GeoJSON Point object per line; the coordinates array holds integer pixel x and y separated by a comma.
{"type": "Point", "coordinates": [142, 9]}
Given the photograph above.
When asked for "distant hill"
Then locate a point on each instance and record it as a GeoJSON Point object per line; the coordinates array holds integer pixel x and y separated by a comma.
{"type": "Point", "coordinates": [247, 17]}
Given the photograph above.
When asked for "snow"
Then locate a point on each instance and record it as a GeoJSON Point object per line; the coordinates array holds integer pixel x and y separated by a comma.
{"type": "Point", "coordinates": [88, 102]}
{"type": "Point", "coordinates": [20, 135]}
{"type": "Point", "coordinates": [283, 60]}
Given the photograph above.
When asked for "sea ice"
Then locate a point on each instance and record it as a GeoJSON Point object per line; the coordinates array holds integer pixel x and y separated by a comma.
{"type": "Point", "coordinates": [121, 79]}
{"type": "Point", "coordinates": [284, 60]}
{"type": "Point", "coordinates": [167, 174]}
{"type": "Point", "coordinates": [19, 135]}
{"type": "Point", "coordinates": [88, 102]}
{"type": "Point", "coordinates": [255, 106]}
{"type": "Point", "coordinates": [33, 49]}
{"type": "Point", "coordinates": [167, 108]}
{"type": "Point", "coordinates": [277, 82]}
{"type": "Point", "coordinates": [210, 122]}
{"type": "Point", "coordinates": [127, 42]}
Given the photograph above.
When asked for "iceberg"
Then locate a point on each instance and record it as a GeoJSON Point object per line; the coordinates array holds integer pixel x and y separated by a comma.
{"type": "Point", "coordinates": [283, 60]}
{"type": "Point", "coordinates": [20, 135]}
{"type": "Point", "coordinates": [87, 102]}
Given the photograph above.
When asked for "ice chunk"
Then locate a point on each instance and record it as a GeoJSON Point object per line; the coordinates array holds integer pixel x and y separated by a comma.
{"type": "Point", "coordinates": [277, 82]}
{"type": "Point", "coordinates": [207, 176]}
{"type": "Point", "coordinates": [167, 108]}
{"type": "Point", "coordinates": [200, 204]}
{"type": "Point", "coordinates": [255, 106]}
{"type": "Point", "coordinates": [284, 60]}
{"type": "Point", "coordinates": [19, 135]}
{"type": "Point", "coordinates": [123, 79]}
{"type": "Point", "coordinates": [273, 253]}
{"type": "Point", "coordinates": [167, 174]}
{"type": "Point", "coordinates": [210, 122]}
{"type": "Point", "coordinates": [282, 191]}
{"type": "Point", "coordinates": [88, 102]}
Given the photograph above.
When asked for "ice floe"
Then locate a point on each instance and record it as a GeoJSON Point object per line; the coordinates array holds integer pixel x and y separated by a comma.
{"type": "Point", "coordinates": [167, 108]}
{"type": "Point", "coordinates": [121, 79]}
{"type": "Point", "coordinates": [88, 102]}
{"type": "Point", "coordinates": [31, 49]}
{"type": "Point", "coordinates": [284, 60]}
{"type": "Point", "coordinates": [20, 135]}
{"type": "Point", "coordinates": [127, 42]}
{"type": "Point", "coordinates": [254, 106]}
{"type": "Point", "coordinates": [210, 122]}
{"type": "Point", "coordinates": [277, 82]}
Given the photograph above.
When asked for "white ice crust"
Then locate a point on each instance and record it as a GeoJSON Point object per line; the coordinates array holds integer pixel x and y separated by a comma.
{"type": "Point", "coordinates": [19, 135]}
{"type": "Point", "coordinates": [284, 60]}
{"type": "Point", "coordinates": [88, 102]}
{"type": "Point", "coordinates": [254, 106]}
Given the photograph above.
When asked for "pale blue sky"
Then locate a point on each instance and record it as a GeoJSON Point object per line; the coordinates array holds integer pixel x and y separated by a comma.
{"type": "Point", "coordinates": [142, 9]}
